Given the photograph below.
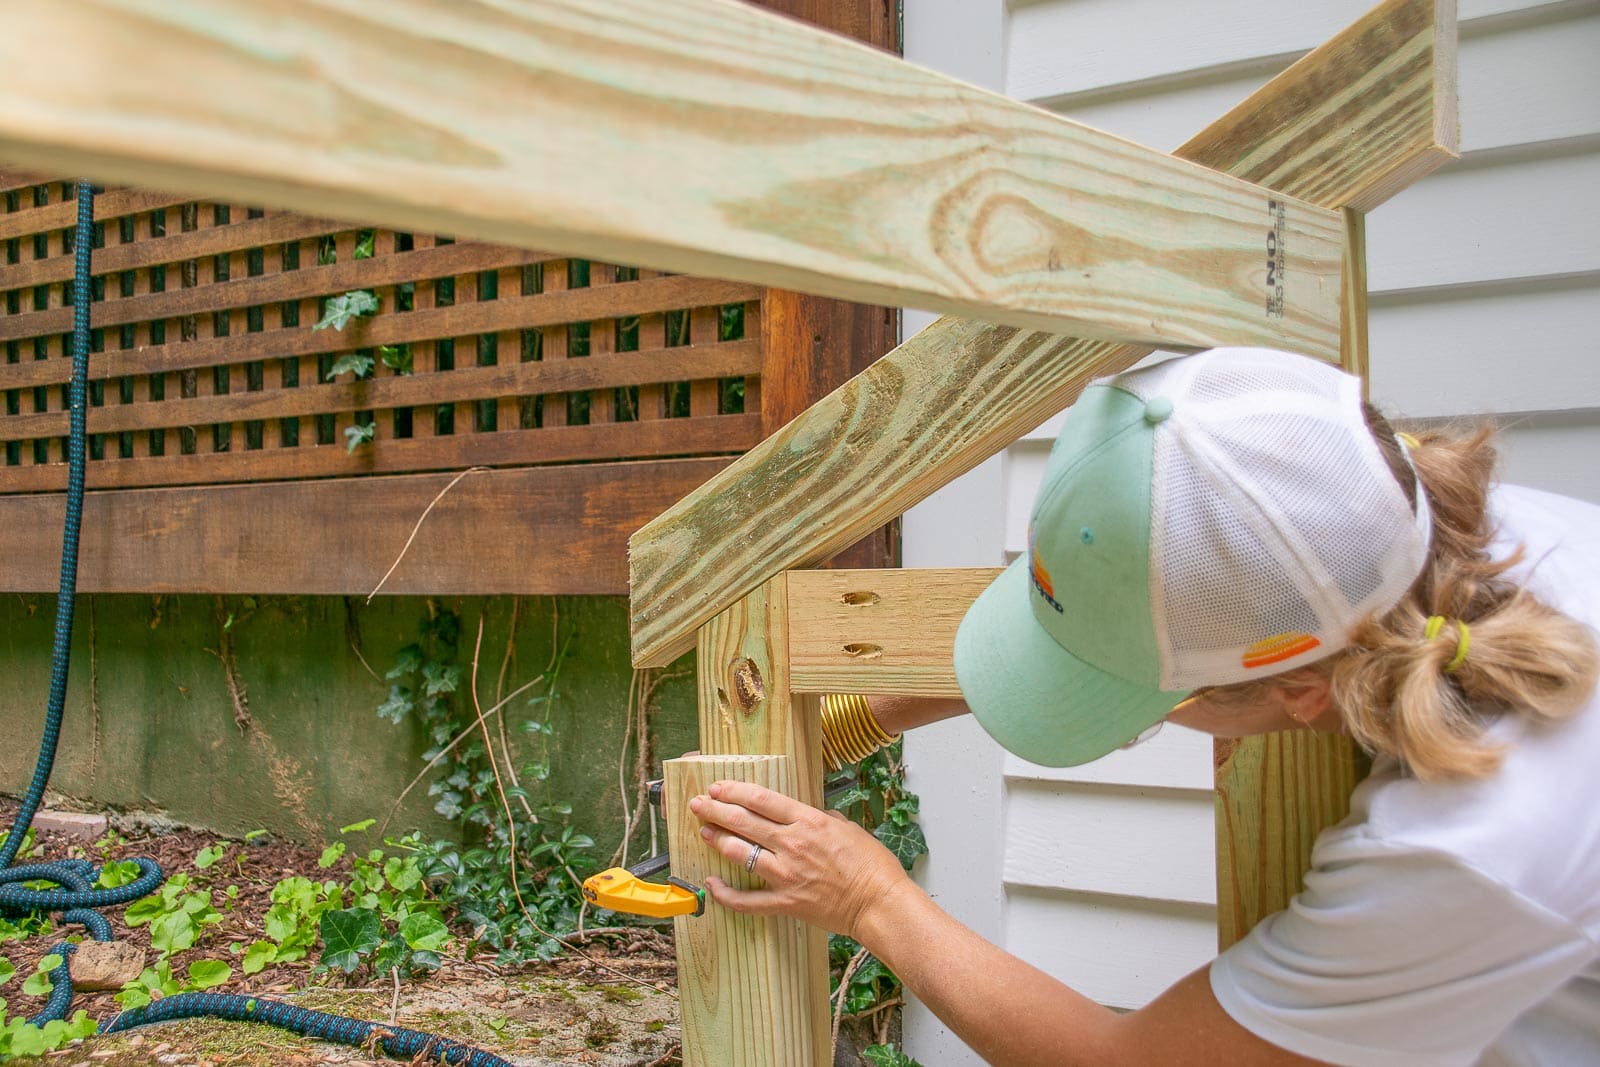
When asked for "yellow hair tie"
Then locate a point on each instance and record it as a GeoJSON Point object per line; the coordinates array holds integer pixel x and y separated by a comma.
{"type": "Point", "coordinates": [1408, 440]}
{"type": "Point", "coordinates": [1463, 639]}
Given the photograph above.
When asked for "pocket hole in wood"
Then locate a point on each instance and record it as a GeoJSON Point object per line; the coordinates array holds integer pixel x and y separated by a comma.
{"type": "Point", "coordinates": [863, 651]}
{"type": "Point", "coordinates": [861, 599]}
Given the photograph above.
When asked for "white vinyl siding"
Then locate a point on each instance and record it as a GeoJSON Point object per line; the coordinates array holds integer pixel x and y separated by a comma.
{"type": "Point", "coordinates": [1484, 283]}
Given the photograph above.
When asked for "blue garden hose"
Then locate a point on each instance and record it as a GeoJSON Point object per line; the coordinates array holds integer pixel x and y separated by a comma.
{"type": "Point", "coordinates": [78, 898]}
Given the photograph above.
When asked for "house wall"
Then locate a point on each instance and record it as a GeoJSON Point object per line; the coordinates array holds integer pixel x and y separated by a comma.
{"type": "Point", "coordinates": [1485, 294]}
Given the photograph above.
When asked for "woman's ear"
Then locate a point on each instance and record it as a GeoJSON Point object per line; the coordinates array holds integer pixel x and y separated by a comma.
{"type": "Point", "coordinates": [1306, 696]}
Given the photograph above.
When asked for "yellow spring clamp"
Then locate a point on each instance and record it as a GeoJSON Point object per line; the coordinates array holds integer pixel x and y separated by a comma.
{"type": "Point", "coordinates": [625, 889]}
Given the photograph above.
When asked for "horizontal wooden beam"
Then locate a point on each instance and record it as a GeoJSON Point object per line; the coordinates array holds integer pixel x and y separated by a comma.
{"type": "Point", "coordinates": [532, 531]}
{"type": "Point", "coordinates": [701, 136]}
{"type": "Point", "coordinates": [1338, 126]}
{"type": "Point", "coordinates": [879, 631]}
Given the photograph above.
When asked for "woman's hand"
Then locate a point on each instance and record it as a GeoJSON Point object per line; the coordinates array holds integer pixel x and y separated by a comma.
{"type": "Point", "coordinates": [819, 867]}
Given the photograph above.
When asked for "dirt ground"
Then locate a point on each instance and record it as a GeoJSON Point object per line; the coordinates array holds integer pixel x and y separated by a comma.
{"type": "Point", "coordinates": [618, 1009]}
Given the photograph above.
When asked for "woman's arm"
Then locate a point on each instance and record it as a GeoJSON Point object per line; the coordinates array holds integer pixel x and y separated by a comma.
{"type": "Point", "coordinates": [897, 714]}
{"type": "Point", "coordinates": [833, 874]}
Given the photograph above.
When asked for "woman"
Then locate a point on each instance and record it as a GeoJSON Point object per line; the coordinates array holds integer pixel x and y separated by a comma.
{"type": "Point", "coordinates": [1234, 542]}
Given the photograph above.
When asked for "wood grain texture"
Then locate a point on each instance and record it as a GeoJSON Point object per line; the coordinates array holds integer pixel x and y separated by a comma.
{"type": "Point", "coordinates": [1386, 84]}
{"type": "Point", "coordinates": [550, 530]}
{"type": "Point", "coordinates": [888, 631]}
{"type": "Point", "coordinates": [746, 699]}
{"type": "Point", "coordinates": [957, 393]}
{"type": "Point", "coordinates": [1275, 794]}
{"type": "Point", "coordinates": [778, 154]}
{"type": "Point", "coordinates": [748, 985]}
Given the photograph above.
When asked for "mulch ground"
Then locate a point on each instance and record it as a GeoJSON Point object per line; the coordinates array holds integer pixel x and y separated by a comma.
{"type": "Point", "coordinates": [616, 1007]}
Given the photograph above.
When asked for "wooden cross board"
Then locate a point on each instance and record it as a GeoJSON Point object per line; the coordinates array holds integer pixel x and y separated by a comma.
{"type": "Point", "coordinates": [700, 136]}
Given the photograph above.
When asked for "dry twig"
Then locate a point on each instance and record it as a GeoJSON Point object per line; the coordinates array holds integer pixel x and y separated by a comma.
{"type": "Point", "coordinates": [838, 1008]}
{"type": "Point", "coordinates": [415, 529]}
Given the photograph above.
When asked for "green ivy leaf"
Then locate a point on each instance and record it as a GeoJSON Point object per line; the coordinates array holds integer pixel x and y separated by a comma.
{"type": "Point", "coordinates": [424, 931]}
{"type": "Point", "coordinates": [440, 678]}
{"type": "Point", "coordinates": [207, 856]}
{"type": "Point", "coordinates": [7, 970]}
{"type": "Point", "coordinates": [203, 974]}
{"type": "Point", "coordinates": [906, 842]}
{"type": "Point", "coordinates": [396, 358]}
{"type": "Point", "coordinates": [407, 661]}
{"type": "Point", "coordinates": [356, 436]}
{"type": "Point", "coordinates": [347, 935]}
{"type": "Point", "coordinates": [331, 854]}
{"type": "Point", "coordinates": [360, 363]}
{"type": "Point", "coordinates": [854, 795]}
{"type": "Point", "coordinates": [887, 1056]}
{"type": "Point", "coordinates": [903, 812]}
{"type": "Point", "coordinates": [403, 874]}
{"type": "Point", "coordinates": [399, 704]}
{"type": "Point", "coordinates": [339, 310]}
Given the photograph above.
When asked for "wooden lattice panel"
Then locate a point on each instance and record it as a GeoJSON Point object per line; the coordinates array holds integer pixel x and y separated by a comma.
{"type": "Point", "coordinates": [208, 368]}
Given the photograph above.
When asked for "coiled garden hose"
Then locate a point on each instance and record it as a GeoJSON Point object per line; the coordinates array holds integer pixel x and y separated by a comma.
{"type": "Point", "coordinates": [78, 896]}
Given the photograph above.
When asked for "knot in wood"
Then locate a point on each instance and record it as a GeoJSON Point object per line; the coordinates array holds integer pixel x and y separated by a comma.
{"type": "Point", "coordinates": [748, 690]}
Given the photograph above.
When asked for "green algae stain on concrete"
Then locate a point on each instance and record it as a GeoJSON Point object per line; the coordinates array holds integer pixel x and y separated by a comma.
{"type": "Point", "coordinates": [268, 721]}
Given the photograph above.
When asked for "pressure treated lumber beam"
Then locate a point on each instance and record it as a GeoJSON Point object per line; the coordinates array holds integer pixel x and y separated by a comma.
{"type": "Point", "coordinates": [700, 136]}
{"type": "Point", "coordinates": [1346, 125]}
{"type": "Point", "coordinates": [753, 989]}
{"type": "Point", "coordinates": [879, 631]}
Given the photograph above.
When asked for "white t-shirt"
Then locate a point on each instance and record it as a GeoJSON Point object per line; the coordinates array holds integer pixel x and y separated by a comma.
{"type": "Point", "coordinates": [1455, 923]}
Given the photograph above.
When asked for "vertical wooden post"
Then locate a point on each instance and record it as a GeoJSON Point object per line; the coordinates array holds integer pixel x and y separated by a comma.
{"type": "Point", "coordinates": [1277, 792]}
{"type": "Point", "coordinates": [746, 987]}
{"type": "Point", "coordinates": [754, 991]}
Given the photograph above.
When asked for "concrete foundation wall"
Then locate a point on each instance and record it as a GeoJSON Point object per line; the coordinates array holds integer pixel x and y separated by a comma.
{"type": "Point", "coordinates": [151, 723]}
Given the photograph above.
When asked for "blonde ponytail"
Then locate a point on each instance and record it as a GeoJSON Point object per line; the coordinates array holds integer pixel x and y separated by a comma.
{"type": "Point", "coordinates": [1412, 695]}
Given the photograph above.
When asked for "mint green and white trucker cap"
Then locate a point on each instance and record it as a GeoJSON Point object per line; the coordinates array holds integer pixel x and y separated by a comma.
{"type": "Point", "coordinates": [1207, 520]}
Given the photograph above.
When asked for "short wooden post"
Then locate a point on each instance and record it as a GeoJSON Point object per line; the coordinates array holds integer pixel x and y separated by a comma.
{"type": "Point", "coordinates": [746, 983]}
{"type": "Point", "coordinates": [754, 991]}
